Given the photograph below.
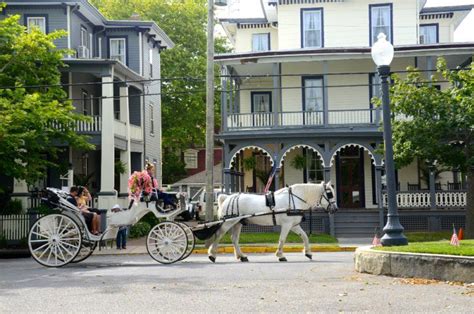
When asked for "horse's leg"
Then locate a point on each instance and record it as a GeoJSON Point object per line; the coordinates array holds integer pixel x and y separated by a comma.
{"type": "Point", "coordinates": [285, 229]}
{"type": "Point", "coordinates": [212, 251]}
{"type": "Point", "coordinates": [235, 241]}
{"type": "Point", "coordinates": [307, 249]}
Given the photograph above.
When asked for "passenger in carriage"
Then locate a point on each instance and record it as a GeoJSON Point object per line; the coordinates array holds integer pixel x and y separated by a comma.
{"type": "Point", "coordinates": [157, 193]}
{"type": "Point", "coordinates": [79, 197]}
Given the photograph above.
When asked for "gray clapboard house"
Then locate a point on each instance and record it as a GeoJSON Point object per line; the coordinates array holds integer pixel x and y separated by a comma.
{"type": "Point", "coordinates": [119, 64]}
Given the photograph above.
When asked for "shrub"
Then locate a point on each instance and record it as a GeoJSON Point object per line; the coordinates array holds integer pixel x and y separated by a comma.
{"type": "Point", "coordinates": [140, 229]}
{"type": "Point", "coordinates": [3, 242]}
{"type": "Point", "coordinates": [13, 207]}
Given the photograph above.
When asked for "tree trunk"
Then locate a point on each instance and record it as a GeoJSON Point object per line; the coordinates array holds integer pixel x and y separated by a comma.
{"type": "Point", "coordinates": [469, 234]}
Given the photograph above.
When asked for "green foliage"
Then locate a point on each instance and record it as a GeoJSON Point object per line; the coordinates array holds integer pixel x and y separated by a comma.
{"type": "Point", "coordinates": [3, 242]}
{"type": "Point", "coordinates": [428, 236]}
{"type": "Point", "coordinates": [184, 98]}
{"type": "Point", "coordinates": [119, 167]}
{"type": "Point", "coordinates": [263, 237]}
{"type": "Point", "coordinates": [42, 210]}
{"type": "Point", "coordinates": [299, 162]}
{"type": "Point", "coordinates": [28, 114]}
{"type": "Point", "coordinates": [82, 179]}
{"type": "Point", "coordinates": [250, 163]}
{"type": "Point", "coordinates": [174, 169]}
{"type": "Point", "coordinates": [13, 207]}
{"type": "Point", "coordinates": [140, 229]}
{"type": "Point", "coordinates": [150, 219]}
{"type": "Point", "coordinates": [466, 248]}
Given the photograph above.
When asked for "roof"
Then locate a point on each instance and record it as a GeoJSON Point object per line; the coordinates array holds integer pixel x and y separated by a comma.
{"type": "Point", "coordinates": [91, 13]}
{"type": "Point", "coordinates": [447, 9]}
{"type": "Point", "coordinates": [200, 177]}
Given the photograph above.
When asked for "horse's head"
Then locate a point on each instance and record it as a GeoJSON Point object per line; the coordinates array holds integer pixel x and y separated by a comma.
{"type": "Point", "coordinates": [327, 199]}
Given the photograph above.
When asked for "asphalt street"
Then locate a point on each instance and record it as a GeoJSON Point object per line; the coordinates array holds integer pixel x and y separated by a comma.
{"type": "Point", "coordinates": [136, 283]}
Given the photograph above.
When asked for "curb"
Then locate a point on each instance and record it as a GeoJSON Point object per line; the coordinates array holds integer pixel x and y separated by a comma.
{"type": "Point", "coordinates": [402, 264]}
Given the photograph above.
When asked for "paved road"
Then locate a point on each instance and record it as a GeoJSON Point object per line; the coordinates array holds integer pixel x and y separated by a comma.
{"type": "Point", "coordinates": [137, 283]}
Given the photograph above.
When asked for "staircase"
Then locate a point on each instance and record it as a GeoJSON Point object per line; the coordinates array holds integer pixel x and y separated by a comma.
{"type": "Point", "coordinates": [356, 223]}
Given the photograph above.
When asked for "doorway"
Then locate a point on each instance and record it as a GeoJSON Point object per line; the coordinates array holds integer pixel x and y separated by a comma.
{"type": "Point", "coordinates": [350, 178]}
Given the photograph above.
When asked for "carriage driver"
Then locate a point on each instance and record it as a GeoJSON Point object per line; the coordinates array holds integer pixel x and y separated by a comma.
{"type": "Point", "coordinates": [157, 193]}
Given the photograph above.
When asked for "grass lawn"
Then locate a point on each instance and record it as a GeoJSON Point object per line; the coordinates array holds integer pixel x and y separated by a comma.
{"type": "Point", "coordinates": [249, 238]}
{"type": "Point", "coordinates": [428, 236]}
{"type": "Point", "coordinates": [466, 248]}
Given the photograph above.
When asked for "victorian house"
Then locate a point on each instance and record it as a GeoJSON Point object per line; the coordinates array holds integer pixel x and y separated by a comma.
{"type": "Point", "coordinates": [297, 95]}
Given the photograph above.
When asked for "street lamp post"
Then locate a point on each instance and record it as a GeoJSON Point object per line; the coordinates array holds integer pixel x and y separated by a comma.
{"type": "Point", "coordinates": [210, 107]}
{"type": "Point", "coordinates": [382, 54]}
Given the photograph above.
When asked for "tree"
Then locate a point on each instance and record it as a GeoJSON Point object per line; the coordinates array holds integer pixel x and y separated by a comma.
{"type": "Point", "coordinates": [439, 124]}
{"type": "Point", "coordinates": [183, 68]}
{"type": "Point", "coordinates": [34, 121]}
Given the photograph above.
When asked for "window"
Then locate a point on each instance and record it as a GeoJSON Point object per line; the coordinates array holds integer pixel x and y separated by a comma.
{"type": "Point", "coordinates": [261, 42]}
{"type": "Point", "coordinates": [36, 21]}
{"type": "Point", "coordinates": [83, 50]}
{"type": "Point", "coordinates": [118, 49]}
{"type": "Point", "coordinates": [314, 167]}
{"type": "Point", "coordinates": [190, 159]}
{"type": "Point", "coordinates": [152, 120]}
{"type": "Point", "coordinates": [312, 28]}
{"type": "Point", "coordinates": [261, 101]}
{"type": "Point", "coordinates": [429, 34]}
{"type": "Point", "coordinates": [150, 56]}
{"type": "Point", "coordinates": [86, 103]}
{"type": "Point", "coordinates": [374, 91]}
{"type": "Point", "coordinates": [313, 94]}
{"type": "Point", "coordinates": [380, 21]}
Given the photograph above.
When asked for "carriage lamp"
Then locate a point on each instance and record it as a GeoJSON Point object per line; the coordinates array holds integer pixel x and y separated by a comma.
{"type": "Point", "coordinates": [382, 54]}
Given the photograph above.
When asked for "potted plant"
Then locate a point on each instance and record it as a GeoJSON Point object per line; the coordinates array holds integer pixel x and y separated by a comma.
{"type": "Point", "coordinates": [298, 162]}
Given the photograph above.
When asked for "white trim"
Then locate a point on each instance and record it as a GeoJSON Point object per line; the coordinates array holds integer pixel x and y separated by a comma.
{"type": "Point", "coordinates": [140, 52]}
{"type": "Point", "coordinates": [68, 18]}
{"type": "Point", "coordinates": [91, 47]}
{"type": "Point", "coordinates": [100, 47]}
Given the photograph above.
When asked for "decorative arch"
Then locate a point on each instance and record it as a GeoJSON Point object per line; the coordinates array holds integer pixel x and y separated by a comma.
{"type": "Point", "coordinates": [289, 148]}
{"type": "Point", "coordinates": [375, 157]}
{"type": "Point", "coordinates": [237, 150]}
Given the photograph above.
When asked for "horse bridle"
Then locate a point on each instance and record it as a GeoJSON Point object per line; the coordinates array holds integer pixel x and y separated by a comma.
{"type": "Point", "coordinates": [329, 197]}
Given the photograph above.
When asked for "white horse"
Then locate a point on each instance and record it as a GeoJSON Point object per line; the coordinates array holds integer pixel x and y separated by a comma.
{"type": "Point", "coordinates": [293, 200]}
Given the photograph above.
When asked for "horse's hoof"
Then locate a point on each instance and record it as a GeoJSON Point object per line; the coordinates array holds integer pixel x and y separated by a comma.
{"type": "Point", "coordinates": [309, 256]}
{"type": "Point", "coordinates": [212, 258]}
{"type": "Point", "coordinates": [282, 259]}
{"type": "Point", "coordinates": [244, 259]}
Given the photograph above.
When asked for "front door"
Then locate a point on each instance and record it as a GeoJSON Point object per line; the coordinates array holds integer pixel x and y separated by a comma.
{"type": "Point", "coordinates": [350, 178]}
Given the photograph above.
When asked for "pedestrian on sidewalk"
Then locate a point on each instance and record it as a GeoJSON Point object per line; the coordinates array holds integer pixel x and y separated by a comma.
{"type": "Point", "coordinates": [121, 239]}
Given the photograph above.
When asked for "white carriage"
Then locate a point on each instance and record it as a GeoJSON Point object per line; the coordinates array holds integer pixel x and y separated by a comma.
{"type": "Point", "coordinates": [63, 237]}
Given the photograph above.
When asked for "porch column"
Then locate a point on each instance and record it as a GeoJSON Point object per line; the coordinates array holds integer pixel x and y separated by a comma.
{"type": "Point", "coordinates": [277, 178]}
{"type": "Point", "coordinates": [227, 175]}
{"type": "Point", "coordinates": [432, 170]}
{"type": "Point", "coordinates": [325, 94]}
{"type": "Point", "coordinates": [276, 93]}
{"type": "Point", "coordinates": [378, 195]}
{"type": "Point", "coordinates": [224, 98]}
{"type": "Point", "coordinates": [125, 154]}
{"type": "Point", "coordinates": [107, 194]}
{"type": "Point", "coordinates": [327, 178]}
{"type": "Point", "coordinates": [232, 184]}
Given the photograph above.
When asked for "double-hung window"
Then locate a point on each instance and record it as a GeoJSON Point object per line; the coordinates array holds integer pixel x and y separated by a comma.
{"type": "Point", "coordinates": [84, 49]}
{"type": "Point", "coordinates": [36, 21]}
{"type": "Point", "coordinates": [191, 159]}
{"type": "Point", "coordinates": [429, 34]}
{"type": "Point", "coordinates": [380, 21]}
{"type": "Point", "coordinates": [261, 42]}
{"type": "Point", "coordinates": [312, 28]}
{"type": "Point", "coordinates": [152, 120]}
{"type": "Point", "coordinates": [262, 108]}
{"type": "Point", "coordinates": [375, 91]}
{"type": "Point", "coordinates": [313, 97]}
{"type": "Point", "coordinates": [118, 49]}
{"type": "Point", "coordinates": [314, 167]}
{"type": "Point", "coordinates": [150, 55]}
{"type": "Point", "coordinates": [86, 105]}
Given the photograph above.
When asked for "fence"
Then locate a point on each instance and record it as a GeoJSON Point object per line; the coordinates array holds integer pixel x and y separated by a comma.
{"type": "Point", "coordinates": [15, 228]}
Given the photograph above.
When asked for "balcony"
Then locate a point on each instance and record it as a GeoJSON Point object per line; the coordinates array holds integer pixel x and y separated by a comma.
{"type": "Point", "coordinates": [422, 199]}
{"type": "Point", "coordinates": [120, 128]}
{"type": "Point", "coordinates": [296, 119]}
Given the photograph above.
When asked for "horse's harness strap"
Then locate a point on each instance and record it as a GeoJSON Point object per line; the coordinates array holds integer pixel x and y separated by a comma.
{"type": "Point", "coordinates": [234, 203]}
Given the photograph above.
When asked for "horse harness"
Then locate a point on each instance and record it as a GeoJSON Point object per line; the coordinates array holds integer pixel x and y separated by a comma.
{"type": "Point", "coordinates": [291, 211]}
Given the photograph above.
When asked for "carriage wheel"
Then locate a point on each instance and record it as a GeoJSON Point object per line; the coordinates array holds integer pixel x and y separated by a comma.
{"type": "Point", "coordinates": [54, 240]}
{"type": "Point", "coordinates": [86, 250]}
{"type": "Point", "coordinates": [167, 242]}
{"type": "Point", "coordinates": [191, 240]}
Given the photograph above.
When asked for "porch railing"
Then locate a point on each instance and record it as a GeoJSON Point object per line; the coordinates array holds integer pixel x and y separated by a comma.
{"type": "Point", "coordinates": [422, 199]}
{"type": "Point", "coordinates": [266, 120]}
{"type": "Point", "coordinates": [89, 127]}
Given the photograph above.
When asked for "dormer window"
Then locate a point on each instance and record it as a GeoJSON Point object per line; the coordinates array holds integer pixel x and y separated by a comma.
{"type": "Point", "coordinates": [380, 21]}
{"type": "Point", "coordinates": [261, 42]}
{"type": "Point", "coordinates": [312, 28]}
{"type": "Point", "coordinates": [36, 21]}
{"type": "Point", "coordinates": [118, 49]}
{"type": "Point", "coordinates": [429, 34]}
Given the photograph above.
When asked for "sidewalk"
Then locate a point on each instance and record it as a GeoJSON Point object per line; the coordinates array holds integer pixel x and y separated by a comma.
{"type": "Point", "coordinates": [137, 246]}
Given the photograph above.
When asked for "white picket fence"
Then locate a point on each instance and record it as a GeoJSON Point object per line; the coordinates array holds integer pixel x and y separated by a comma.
{"type": "Point", "coordinates": [423, 199]}
{"type": "Point", "coordinates": [14, 227]}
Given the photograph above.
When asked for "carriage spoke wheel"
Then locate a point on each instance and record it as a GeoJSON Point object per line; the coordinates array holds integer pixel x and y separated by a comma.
{"type": "Point", "coordinates": [167, 242]}
{"type": "Point", "coordinates": [191, 240]}
{"type": "Point", "coordinates": [86, 250]}
{"type": "Point", "coordinates": [54, 240]}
